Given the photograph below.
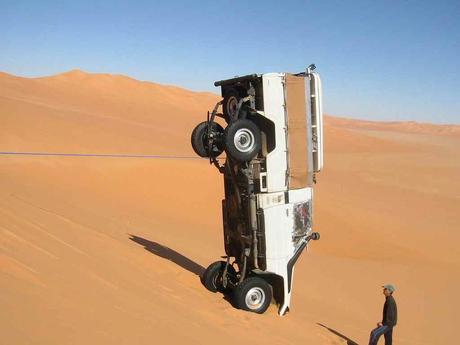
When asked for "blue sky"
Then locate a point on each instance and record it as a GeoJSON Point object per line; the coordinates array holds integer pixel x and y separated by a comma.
{"type": "Point", "coordinates": [379, 60]}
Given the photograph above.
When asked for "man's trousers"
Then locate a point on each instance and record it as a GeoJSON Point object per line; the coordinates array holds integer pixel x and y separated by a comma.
{"type": "Point", "coordinates": [387, 331]}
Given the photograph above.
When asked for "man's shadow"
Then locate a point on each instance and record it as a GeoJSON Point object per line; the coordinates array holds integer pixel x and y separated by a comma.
{"type": "Point", "coordinates": [349, 341]}
{"type": "Point", "coordinates": [169, 254]}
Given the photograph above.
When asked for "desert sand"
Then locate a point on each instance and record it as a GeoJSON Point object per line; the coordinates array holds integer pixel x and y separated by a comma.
{"type": "Point", "coordinates": [99, 250]}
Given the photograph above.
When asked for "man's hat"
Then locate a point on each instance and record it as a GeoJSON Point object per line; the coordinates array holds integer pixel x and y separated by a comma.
{"type": "Point", "coordinates": [389, 287]}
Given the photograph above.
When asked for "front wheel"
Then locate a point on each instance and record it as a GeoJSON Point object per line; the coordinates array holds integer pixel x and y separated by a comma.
{"type": "Point", "coordinates": [253, 294]}
{"type": "Point", "coordinates": [213, 276]}
{"type": "Point", "coordinates": [242, 140]}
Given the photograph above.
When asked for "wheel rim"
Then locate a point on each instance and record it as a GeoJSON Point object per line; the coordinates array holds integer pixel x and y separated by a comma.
{"type": "Point", "coordinates": [255, 298]}
{"type": "Point", "coordinates": [244, 140]}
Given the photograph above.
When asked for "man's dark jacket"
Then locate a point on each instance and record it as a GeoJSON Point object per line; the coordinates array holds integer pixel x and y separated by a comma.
{"type": "Point", "coordinates": [390, 312]}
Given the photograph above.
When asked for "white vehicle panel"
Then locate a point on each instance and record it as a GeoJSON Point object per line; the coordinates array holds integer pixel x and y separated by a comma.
{"type": "Point", "coordinates": [299, 195]}
{"type": "Point", "coordinates": [279, 222]}
{"type": "Point", "coordinates": [267, 200]}
{"type": "Point", "coordinates": [274, 110]}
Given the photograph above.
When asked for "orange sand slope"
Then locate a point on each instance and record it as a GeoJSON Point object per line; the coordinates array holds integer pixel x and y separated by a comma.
{"type": "Point", "coordinates": [108, 250]}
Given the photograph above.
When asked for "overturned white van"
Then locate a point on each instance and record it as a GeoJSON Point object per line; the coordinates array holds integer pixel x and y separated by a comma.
{"type": "Point", "coordinates": [273, 140]}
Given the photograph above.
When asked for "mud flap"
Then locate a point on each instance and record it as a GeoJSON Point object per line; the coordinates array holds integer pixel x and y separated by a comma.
{"type": "Point", "coordinates": [287, 279]}
{"type": "Point", "coordinates": [284, 306]}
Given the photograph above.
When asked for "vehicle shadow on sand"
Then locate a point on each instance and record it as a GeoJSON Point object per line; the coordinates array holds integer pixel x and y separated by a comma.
{"type": "Point", "coordinates": [179, 259]}
{"type": "Point", "coordinates": [349, 341]}
{"type": "Point", "coordinates": [169, 254]}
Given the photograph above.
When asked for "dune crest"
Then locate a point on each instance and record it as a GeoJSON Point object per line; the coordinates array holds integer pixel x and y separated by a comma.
{"type": "Point", "coordinates": [398, 126]}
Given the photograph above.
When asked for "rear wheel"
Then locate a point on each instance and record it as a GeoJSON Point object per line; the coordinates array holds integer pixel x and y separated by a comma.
{"type": "Point", "coordinates": [201, 136]}
{"type": "Point", "coordinates": [242, 140]}
{"type": "Point", "coordinates": [253, 294]}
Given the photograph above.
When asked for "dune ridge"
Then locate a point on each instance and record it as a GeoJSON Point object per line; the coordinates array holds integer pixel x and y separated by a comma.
{"type": "Point", "coordinates": [398, 126]}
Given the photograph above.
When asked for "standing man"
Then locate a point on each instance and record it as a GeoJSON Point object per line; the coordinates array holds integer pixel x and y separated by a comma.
{"type": "Point", "coordinates": [390, 317]}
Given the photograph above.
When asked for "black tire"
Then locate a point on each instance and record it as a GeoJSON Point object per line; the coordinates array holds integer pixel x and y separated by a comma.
{"type": "Point", "coordinates": [230, 104]}
{"type": "Point", "coordinates": [253, 294]}
{"type": "Point", "coordinates": [199, 139]}
{"type": "Point", "coordinates": [212, 277]}
{"type": "Point", "coordinates": [242, 140]}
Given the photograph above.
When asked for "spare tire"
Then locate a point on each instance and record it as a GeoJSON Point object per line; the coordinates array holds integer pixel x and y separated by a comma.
{"type": "Point", "coordinates": [230, 104]}
{"type": "Point", "coordinates": [242, 140]}
{"type": "Point", "coordinates": [200, 140]}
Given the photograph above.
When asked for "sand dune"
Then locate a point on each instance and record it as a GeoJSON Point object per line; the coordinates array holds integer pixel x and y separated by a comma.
{"type": "Point", "coordinates": [97, 250]}
{"type": "Point", "coordinates": [397, 126]}
{"type": "Point", "coordinates": [101, 113]}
